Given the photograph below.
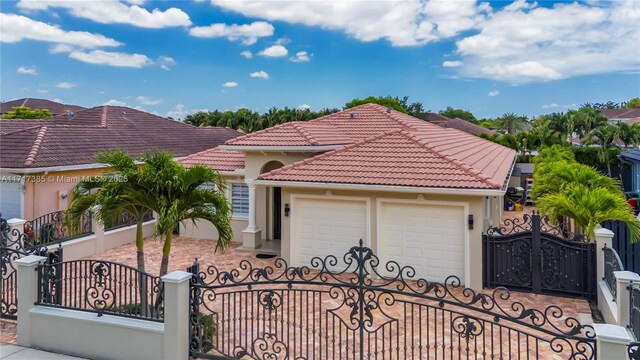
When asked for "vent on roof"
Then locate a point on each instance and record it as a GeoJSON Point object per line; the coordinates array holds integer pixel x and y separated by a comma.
{"type": "Point", "coordinates": [389, 109]}
{"type": "Point", "coordinates": [352, 115]}
{"type": "Point", "coordinates": [71, 114]}
{"type": "Point", "coordinates": [124, 113]}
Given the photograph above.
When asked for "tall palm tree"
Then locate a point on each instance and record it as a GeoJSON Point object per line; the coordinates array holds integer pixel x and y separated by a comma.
{"type": "Point", "coordinates": [629, 134]}
{"type": "Point", "coordinates": [605, 136]}
{"type": "Point", "coordinates": [121, 189]}
{"type": "Point", "coordinates": [511, 123]}
{"type": "Point", "coordinates": [182, 195]}
{"type": "Point", "coordinates": [588, 207]}
{"type": "Point", "coordinates": [588, 119]}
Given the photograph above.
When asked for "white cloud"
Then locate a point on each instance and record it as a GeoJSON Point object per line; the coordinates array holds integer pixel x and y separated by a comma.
{"type": "Point", "coordinates": [301, 56]}
{"type": "Point", "coordinates": [494, 93]}
{"type": "Point", "coordinates": [274, 51]}
{"type": "Point", "coordinates": [42, 91]}
{"type": "Point", "coordinates": [145, 100]}
{"type": "Point", "coordinates": [27, 70]}
{"type": "Point", "coordinates": [60, 49]}
{"type": "Point", "coordinates": [525, 42]}
{"type": "Point", "coordinates": [166, 62]}
{"type": "Point", "coordinates": [114, 12]}
{"type": "Point", "coordinates": [401, 22]}
{"type": "Point", "coordinates": [119, 59]}
{"type": "Point", "coordinates": [260, 74]}
{"type": "Point", "coordinates": [303, 107]}
{"type": "Point", "coordinates": [65, 85]}
{"type": "Point", "coordinates": [247, 33]}
{"type": "Point", "coordinates": [15, 28]}
{"type": "Point", "coordinates": [556, 106]}
{"type": "Point", "coordinates": [247, 54]}
{"type": "Point", "coordinates": [114, 102]}
{"type": "Point", "coordinates": [230, 84]}
{"type": "Point", "coordinates": [180, 111]}
{"type": "Point", "coordinates": [452, 63]}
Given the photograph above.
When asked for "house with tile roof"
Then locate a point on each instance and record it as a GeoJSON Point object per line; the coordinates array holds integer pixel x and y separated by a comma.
{"type": "Point", "coordinates": [630, 116]}
{"type": "Point", "coordinates": [413, 191]}
{"type": "Point", "coordinates": [42, 160]}
{"type": "Point", "coordinates": [54, 107]}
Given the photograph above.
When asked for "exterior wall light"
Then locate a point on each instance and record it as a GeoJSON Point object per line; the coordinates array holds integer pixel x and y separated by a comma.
{"type": "Point", "coordinates": [287, 209]}
{"type": "Point", "coordinates": [470, 222]}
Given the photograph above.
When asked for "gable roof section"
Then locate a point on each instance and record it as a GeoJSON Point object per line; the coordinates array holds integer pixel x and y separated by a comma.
{"type": "Point", "coordinates": [404, 158]}
{"type": "Point", "coordinates": [621, 113]}
{"type": "Point", "coordinates": [294, 134]}
{"type": "Point", "coordinates": [466, 126]}
{"type": "Point", "coordinates": [217, 159]}
{"type": "Point", "coordinates": [54, 107]}
{"type": "Point", "coordinates": [75, 140]}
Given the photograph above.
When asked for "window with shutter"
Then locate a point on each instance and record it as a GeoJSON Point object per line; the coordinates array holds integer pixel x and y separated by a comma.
{"type": "Point", "coordinates": [240, 200]}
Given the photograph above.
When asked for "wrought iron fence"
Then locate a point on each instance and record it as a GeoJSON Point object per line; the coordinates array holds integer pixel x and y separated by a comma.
{"type": "Point", "coordinates": [13, 246]}
{"type": "Point", "coordinates": [612, 263]}
{"type": "Point", "coordinates": [53, 227]}
{"type": "Point", "coordinates": [127, 219]}
{"type": "Point", "coordinates": [314, 313]}
{"type": "Point", "coordinates": [102, 287]}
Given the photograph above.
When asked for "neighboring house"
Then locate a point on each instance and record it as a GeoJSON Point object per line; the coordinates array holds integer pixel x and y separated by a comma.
{"type": "Point", "coordinates": [632, 158]}
{"type": "Point", "coordinates": [629, 116]}
{"type": "Point", "coordinates": [413, 191]}
{"type": "Point", "coordinates": [42, 160]}
{"type": "Point", "coordinates": [55, 108]}
{"type": "Point", "coordinates": [466, 126]}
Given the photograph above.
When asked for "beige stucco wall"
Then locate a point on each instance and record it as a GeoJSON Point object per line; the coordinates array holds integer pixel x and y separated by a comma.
{"type": "Point", "coordinates": [87, 335]}
{"type": "Point", "coordinates": [476, 207]}
{"type": "Point", "coordinates": [205, 230]}
{"type": "Point", "coordinates": [43, 191]}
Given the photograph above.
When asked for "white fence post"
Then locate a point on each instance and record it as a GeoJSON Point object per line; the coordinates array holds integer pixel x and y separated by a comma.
{"type": "Point", "coordinates": [27, 295]}
{"type": "Point", "coordinates": [17, 224]}
{"type": "Point", "coordinates": [612, 341]}
{"type": "Point", "coordinates": [98, 229]}
{"type": "Point", "coordinates": [176, 315]}
{"type": "Point", "coordinates": [624, 279]}
{"type": "Point", "coordinates": [604, 238]}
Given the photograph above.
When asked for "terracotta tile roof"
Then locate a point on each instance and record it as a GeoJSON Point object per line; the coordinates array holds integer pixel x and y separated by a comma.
{"type": "Point", "coordinates": [621, 113]}
{"type": "Point", "coordinates": [54, 107]}
{"type": "Point", "coordinates": [466, 126]}
{"type": "Point", "coordinates": [440, 158]}
{"type": "Point", "coordinates": [217, 159]}
{"type": "Point", "coordinates": [294, 134]}
{"type": "Point", "coordinates": [75, 140]}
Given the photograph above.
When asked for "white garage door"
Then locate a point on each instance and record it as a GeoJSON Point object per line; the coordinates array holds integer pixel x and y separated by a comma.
{"type": "Point", "coordinates": [10, 199]}
{"type": "Point", "coordinates": [323, 227]}
{"type": "Point", "coordinates": [428, 237]}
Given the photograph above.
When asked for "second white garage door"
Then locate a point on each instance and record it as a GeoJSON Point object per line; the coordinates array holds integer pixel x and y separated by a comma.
{"type": "Point", "coordinates": [428, 237]}
{"type": "Point", "coordinates": [323, 226]}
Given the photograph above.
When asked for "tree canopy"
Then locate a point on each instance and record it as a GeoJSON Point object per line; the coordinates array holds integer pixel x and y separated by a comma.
{"type": "Point", "coordinates": [23, 112]}
{"type": "Point", "coordinates": [459, 113]}
{"type": "Point", "coordinates": [387, 101]}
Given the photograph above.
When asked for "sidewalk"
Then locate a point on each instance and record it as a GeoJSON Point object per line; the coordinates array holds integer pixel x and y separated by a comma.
{"type": "Point", "coordinates": [15, 352]}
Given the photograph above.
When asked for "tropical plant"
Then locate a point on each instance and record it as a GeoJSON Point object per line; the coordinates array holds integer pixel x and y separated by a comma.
{"type": "Point", "coordinates": [510, 123]}
{"type": "Point", "coordinates": [605, 136]}
{"type": "Point", "coordinates": [587, 119]}
{"type": "Point", "coordinates": [588, 207]}
{"type": "Point", "coordinates": [629, 135]}
{"type": "Point", "coordinates": [387, 101]}
{"type": "Point", "coordinates": [452, 113]}
{"type": "Point", "coordinates": [122, 188]}
{"type": "Point", "coordinates": [186, 194]}
{"type": "Point", "coordinates": [23, 112]}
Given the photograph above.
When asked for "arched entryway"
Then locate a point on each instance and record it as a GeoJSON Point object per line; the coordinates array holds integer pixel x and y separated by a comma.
{"type": "Point", "coordinates": [274, 207]}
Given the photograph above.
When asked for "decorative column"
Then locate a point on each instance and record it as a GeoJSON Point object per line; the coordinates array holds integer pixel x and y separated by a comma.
{"type": "Point", "coordinates": [176, 315]}
{"type": "Point", "coordinates": [624, 282]}
{"type": "Point", "coordinates": [251, 236]}
{"type": "Point", "coordinates": [604, 238]}
{"type": "Point", "coordinates": [612, 341]}
{"type": "Point", "coordinates": [16, 228]}
{"type": "Point", "coordinates": [27, 295]}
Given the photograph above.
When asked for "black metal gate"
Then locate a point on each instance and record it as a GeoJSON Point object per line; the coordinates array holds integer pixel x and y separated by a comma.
{"type": "Point", "coordinates": [281, 312]}
{"type": "Point", "coordinates": [530, 254]}
{"type": "Point", "coordinates": [14, 245]}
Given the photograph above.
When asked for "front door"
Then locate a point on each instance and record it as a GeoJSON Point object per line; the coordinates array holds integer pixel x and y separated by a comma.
{"type": "Point", "coordinates": [277, 213]}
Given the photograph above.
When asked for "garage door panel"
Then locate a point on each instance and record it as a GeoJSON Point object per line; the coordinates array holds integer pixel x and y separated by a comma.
{"type": "Point", "coordinates": [324, 227]}
{"type": "Point", "coordinates": [10, 199]}
{"type": "Point", "coordinates": [428, 237]}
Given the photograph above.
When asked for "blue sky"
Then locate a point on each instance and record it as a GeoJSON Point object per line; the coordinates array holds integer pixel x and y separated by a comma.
{"type": "Point", "coordinates": [173, 58]}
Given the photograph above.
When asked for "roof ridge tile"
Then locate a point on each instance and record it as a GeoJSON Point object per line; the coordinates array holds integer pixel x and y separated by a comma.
{"type": "Point", "coordinates": [103, 119]}
{"type": "Point", "coordinates": [36, 147]}
{"type": "Point", "coordinates": [299, 128]}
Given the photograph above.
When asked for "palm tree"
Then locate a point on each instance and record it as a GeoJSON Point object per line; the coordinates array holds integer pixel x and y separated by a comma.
{"type": "Point", "coordinates": [553, 177]}
{"type": "Point", "coordinates": [605, 136]}
{"type": "Point", "coordinates": [629, 134]}
{"type": "Point", "coordinates": [588, 207]}
{"type": "Point", "coordinates": [511, 123]}
{"type": "Point", "coordinates": [587, 120]}
{"type": "Point", "coordinates": [182, 195]}
{"type": "Point", "coordinates": [121, 189]}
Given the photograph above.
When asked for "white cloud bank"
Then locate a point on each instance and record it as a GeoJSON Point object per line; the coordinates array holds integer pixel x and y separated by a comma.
{"type": "Point", "coordinates": [301, 56]}
{"type": "Point", "coordinates": [248, 34]}
{"type": "Point", "coordinates": [260, 74]}
{"type": "Point", "coordinates": [274, 51]}
{"type": "Point", "coordinates": [145, 100]}
{"type": "Point", "coordinates": [114, 12]}
{"type": "Point", "coordinates": [27, 70]}
{"type": "Point", "coordinates": [117, 59]}
{"type": "Point", "coordinates": [65, 85]}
